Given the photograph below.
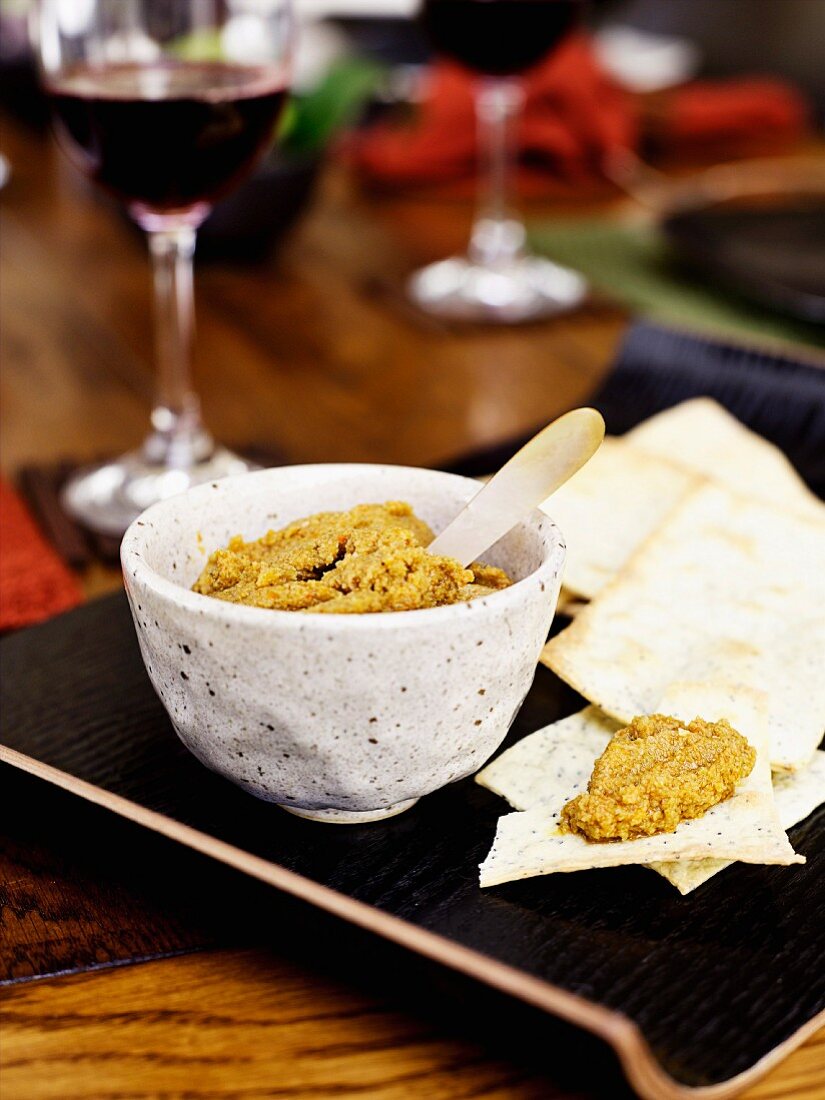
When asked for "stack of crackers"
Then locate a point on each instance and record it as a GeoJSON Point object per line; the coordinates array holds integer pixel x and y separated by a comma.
{"type": "Point", "coordinates": [696, 581]}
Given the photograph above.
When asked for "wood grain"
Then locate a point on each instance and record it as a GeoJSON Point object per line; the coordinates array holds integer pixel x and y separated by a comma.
{"type": "Point", "coordinates": [170, 884]}
{"type": "Point", "coordinates": [302, 354]}
{"type": "Point", "coordinates": [295, 353]}
{"type": "Point", "coordinates": [244, 1024]}
{"type": "Point", "coordinates": [233, 1024]}
{"type": "Point", "coordinates": [79, 890]}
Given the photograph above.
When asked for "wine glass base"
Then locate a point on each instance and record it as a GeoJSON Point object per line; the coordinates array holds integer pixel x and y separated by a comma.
{"type": "Point", "coordinates": [527, 289]}
{"type": "Point", "coordinates": [107, 498]}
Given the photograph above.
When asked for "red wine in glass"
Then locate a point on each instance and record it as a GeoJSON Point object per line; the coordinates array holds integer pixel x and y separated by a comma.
{"type": "Point", "coordinates": [167, 136]}
{"type": "Point", "coordinates": [497, 280]}
{"type": "Point", "coordinates": [498, 37]}
{"type": "Point", "coordinates": [167, 104]}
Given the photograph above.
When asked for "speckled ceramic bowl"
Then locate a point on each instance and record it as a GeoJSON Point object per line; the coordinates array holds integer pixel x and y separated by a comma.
{"type": "Point", "coordinates": [342, 718]}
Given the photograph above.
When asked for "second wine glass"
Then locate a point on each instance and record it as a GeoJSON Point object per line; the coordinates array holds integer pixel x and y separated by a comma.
{"type": "Point", "coordinates": [166, 104]}
{"type": "Point", "coordinates": [498, 280]}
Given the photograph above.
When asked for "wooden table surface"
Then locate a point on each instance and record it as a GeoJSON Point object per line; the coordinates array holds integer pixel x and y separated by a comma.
{"type": "Point", "coordinates": [314, 356]}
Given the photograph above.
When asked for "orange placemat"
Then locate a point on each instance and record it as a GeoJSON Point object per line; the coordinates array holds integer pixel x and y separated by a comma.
{"type": "Point", "coordinates": [34, 582]}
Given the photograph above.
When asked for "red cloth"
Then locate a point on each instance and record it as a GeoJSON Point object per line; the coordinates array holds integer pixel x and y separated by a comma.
{"type": "Point", "coordinates": [34, 582]}
{"type": "Point", "coordinates": [575, 117]}
{"type": "Point", "coordinates": [744, 113]}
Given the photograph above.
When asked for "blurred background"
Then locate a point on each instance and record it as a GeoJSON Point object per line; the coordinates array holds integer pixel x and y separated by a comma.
{"type": "Point", "coordinates": [669, 166]}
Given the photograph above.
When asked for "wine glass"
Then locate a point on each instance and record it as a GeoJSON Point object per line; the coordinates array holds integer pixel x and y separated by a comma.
{"type": "Point", "coordinates": [498, 280]}
{"type": "Point", "coordinates": [166, 104]}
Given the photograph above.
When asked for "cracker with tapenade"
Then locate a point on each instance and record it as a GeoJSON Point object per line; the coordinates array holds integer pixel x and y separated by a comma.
{"type": "Point", "coordinates": [743, 827]}
{"type": "Point", "coordinates": [728, 588]}
{"type": "Point", "coordinates": [797, 795]}
{"type": "Point", "coordinates": [528, 776]}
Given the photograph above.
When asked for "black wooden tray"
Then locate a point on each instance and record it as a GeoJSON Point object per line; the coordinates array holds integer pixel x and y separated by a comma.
{"type": "Point", "coordinates": [697, 996]}
{"type": "Point", "coordinates": [691, 991]}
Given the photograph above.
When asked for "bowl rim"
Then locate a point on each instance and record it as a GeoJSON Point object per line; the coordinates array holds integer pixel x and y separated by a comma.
{"type": "Point", "coordinates": [135, 568]}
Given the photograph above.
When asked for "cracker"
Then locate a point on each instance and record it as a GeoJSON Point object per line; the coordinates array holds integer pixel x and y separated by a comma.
{"type": "Point", "coordinates": [702, 436]}
{"type": "Point", "coordinates": [728, 588]}
{"type": "Point", "coordinates": [744, 827]}
{"type": "Point", "coordinates": [608, 508]}
{"type": "Point", "coordinates": [620, 497]}
{"type": "Point", "coordinates": [558, 756]}
{"type": "Point", "coordinates": [796, 794]}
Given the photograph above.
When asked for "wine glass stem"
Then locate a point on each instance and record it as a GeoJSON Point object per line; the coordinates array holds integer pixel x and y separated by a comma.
{"type": "Point", "coordinates": [498, 235]}
{"type": "Point", "coordinates": [178, 439]}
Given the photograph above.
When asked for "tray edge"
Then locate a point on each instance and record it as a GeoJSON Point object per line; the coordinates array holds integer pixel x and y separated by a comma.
{"type": "Point", "coordinates": [650, 1080]}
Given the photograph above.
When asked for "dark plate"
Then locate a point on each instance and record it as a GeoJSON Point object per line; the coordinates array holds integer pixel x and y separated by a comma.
{"type": "Point", "coordinates": [691, 992]}
{"type": "Point", "coordinates": [772, 252]}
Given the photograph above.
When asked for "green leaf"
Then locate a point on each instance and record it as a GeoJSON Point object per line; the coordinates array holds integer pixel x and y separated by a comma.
{"type": "Point", "coordinates": [334, 104]}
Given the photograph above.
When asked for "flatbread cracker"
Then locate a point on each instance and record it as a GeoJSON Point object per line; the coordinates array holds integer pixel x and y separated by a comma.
{"type": "Point", "coordinates": [702, 436]}
{"type": "Point", "coordinates": [609, 508]}
{"type": "Point", "coordinates": [563, 753]}
{"type": "Point", "coordinates": [620, 497]}
{"type": "Point", "coordinates": [745, 827]}
{"type": "Point", "coordinates": [567, 750]}
{"type": "Point", "coordinates": [796, 794]}
{"type": "Point", "coordinates": [727, 588]}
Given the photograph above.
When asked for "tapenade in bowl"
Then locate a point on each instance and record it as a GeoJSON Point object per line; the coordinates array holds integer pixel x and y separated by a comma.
{"type": "Point", "coordinates": [348, 716]}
